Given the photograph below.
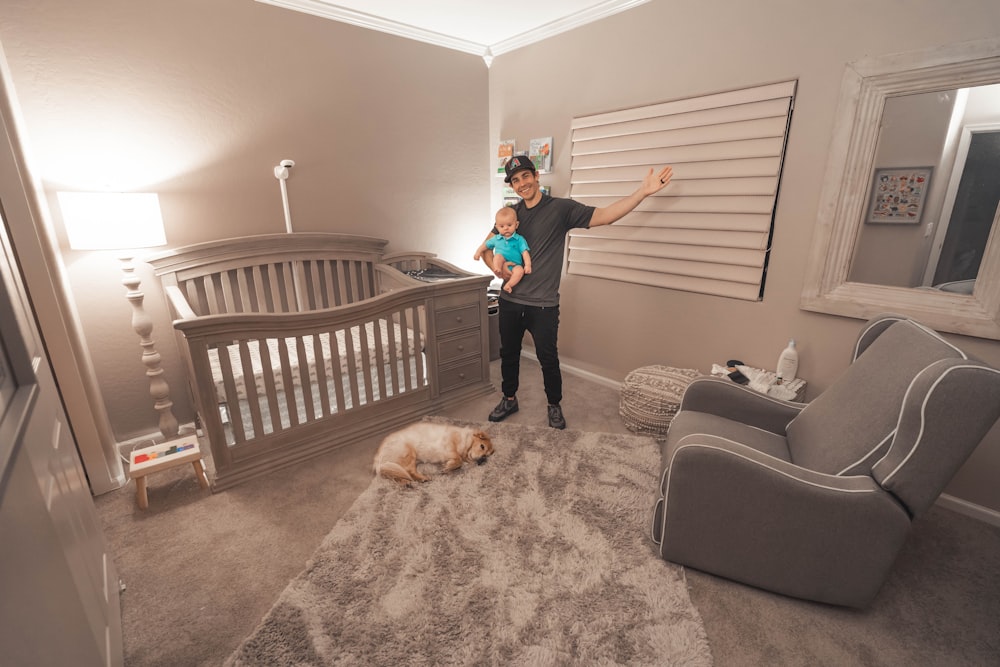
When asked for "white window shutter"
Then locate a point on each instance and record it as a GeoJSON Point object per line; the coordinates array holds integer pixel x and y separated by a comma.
{"type": "Point", "coordinates": [708, 231]}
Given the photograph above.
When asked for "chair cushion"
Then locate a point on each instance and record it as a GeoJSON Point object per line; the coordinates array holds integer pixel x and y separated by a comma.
{"type": "Point", "coordinates": [847, 428]}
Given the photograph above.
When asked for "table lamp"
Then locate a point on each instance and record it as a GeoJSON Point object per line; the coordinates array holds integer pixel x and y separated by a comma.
{"type": "Point", "coordinates": [125, 222]}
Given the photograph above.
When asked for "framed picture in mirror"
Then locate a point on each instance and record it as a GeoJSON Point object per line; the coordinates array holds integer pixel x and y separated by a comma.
{"type": "Point", "coordinates": [898, 195]}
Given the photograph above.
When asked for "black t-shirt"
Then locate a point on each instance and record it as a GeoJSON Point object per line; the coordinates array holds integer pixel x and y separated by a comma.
{"type": "Point", "coordinates": [544, 226]}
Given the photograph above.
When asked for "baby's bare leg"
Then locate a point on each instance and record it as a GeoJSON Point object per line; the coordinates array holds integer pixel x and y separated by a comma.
{"type": "Point", "coordinates": [516, 273]}
{"type": "Point", "coordinates": [498, 262]}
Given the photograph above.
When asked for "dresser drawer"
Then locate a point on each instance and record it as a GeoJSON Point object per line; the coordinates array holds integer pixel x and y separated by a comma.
{"type": "Point", "coordinates": [459, 346]}
{"type": "Point", "coordinates": [456, 376]}
{"type": "Point", "coordinates": [453, 319]}
{"type": "Point", "coordinates": [456, 299]}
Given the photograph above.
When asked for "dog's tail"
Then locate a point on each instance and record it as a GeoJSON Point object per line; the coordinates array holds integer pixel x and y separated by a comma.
{"type": "Point", "coordinates": [393, 471]}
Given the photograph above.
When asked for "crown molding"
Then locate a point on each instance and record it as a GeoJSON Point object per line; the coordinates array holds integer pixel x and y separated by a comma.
{"type": "Point", "coordinates": [360, 19]}
{"type": "Point", "coordinates": [552, 28]}
{"type": "Point", "coordinates": [323, 9]}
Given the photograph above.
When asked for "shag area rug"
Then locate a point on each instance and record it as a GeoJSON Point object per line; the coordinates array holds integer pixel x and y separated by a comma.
{"type": "Point", "coordinates": [541, 556]}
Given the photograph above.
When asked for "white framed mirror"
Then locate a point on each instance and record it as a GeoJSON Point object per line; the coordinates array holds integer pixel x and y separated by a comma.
{"type": "Point", "coordinates": [918, 123]}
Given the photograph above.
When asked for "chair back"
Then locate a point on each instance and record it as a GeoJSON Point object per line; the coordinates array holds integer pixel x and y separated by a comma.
{"type": "Point", "coordinates": [948, 409]}
{"type": "Point", "coordinates": [851, 425]}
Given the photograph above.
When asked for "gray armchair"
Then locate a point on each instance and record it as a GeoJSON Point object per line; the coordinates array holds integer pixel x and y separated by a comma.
{"type": "Point", "coordinates": [815, 500]}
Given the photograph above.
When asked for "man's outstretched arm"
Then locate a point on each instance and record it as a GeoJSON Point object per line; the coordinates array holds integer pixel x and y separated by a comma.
{"type": "Point", "coordinates": [651, 184]}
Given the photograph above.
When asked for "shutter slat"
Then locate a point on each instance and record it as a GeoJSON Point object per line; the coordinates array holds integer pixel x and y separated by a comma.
{"type": "Point", "coordinates": [744, 222]}
{"type": "Point", "coordinates": [691, 188]}
{"type": "Point", "coordinates": [785, 89]}
{"type": "Point", "coordinates": [695, 253]}
{"type": "Point", "coordinates": [741, 168]}
{"type": "Point", "coordinates": [688, 237]}
{"type": "Point", "coordinates": [743, 204]}
{"type": "Point", "coordinates": [730, 114]}
{"type": "Point", "coordinates": [669, 281]}
{"type": "Point", "coordinates": [691, 136]}
{"type": "Point", "coordinates": [679, 155]}
{"type": "Point", "coordinates": [678, 267]}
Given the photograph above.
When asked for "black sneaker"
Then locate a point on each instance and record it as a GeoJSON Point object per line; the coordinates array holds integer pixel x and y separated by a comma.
{"type": "Point", "coordinates": [505, 408]}
{"type": "Point", "coordinates": [556, 419]}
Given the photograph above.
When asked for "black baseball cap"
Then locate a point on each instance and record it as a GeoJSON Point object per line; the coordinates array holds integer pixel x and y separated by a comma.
{"type": "Point", "coordinates": [516, 164]}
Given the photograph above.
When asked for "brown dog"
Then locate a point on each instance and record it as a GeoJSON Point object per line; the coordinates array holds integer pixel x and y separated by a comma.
{"type": "Point", "coordinates": [425, 442]}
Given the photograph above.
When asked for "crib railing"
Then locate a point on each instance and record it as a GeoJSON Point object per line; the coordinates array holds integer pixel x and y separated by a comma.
{"type": "Point", "coordinates": [298, 343]}
{"type": "Point", "coordinates": [280, 287]}
{"type": "Point", "coordinates": [281, 377]}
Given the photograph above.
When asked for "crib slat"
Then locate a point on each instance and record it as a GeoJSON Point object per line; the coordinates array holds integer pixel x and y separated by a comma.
{"type": "Point", "coordinates": [231, 288]}
{"type": "Point", "coordinates": [366, 363]}
{"type": "Point", "coordinates": [418, 356]}
{"type": "Point", "coordinates": [380, 359]}
{"type": "Point", "coordinates": [270, 390]}
{"type": "Point", "coordinates": [244, 280]}
{"type": "Point", "coordinates": [286, 375]}
{"type": "Point", "coordinates": [369, 280]}
{"type": "Point", "coordinates": [272, 294]}
{"type": "Point", "coordinates": [211, 302]}
{"type": "Point", "coordinates": [352, 366]}
{"type": "Point", "coordinates": [329, 290]}
{"type": "Point", "coordinates": [253, 404]}
{"type": "Point", "coordinates": [286, 290]}
{"type": "Point", "coordinates": [307, 400]}
{"type": "Point", "coordinates": [195, 291]}
{"type": "Point", "coordinates": [232, 399]}
{"type": "Point", "coordinates": [393, 357]}
{"type": "Point", "coordinates": [405, 328]}
{"type": "Point", "coordinates": [265, 297]}
{"type": "Point", "coordinates": [351, 282]}
{"type": "Point", "coordinates": [338, 385]}
{"type": "Point", "coordinates": [341, 293]}
{"type": "Point", "coordinates": [321, 383]}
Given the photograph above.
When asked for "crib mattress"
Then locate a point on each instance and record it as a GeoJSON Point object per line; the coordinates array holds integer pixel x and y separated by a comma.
{"type": "Point", "coordinates": [362, 339]}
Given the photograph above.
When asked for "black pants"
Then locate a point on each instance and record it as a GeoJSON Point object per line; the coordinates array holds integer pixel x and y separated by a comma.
{"type": "Point", "coordinates": [543, 324]}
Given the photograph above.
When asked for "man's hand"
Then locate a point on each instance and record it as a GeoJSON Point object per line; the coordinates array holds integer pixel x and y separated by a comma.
{"type": "Point", "coordinates": [653, 183]}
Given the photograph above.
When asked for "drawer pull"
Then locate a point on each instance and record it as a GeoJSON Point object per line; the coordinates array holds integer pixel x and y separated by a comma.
{"type": "Point", "coordinates": [461, 348]}
{"type": "Point", "coordinates": [458, 319]}
{"type": "Point", "coordinates": [461, 376]}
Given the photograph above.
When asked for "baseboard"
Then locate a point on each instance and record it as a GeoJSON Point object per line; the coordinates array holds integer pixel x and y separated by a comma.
{"type": "Point", "coordinates": [952, 503]}
{"type": "Point", "coordinates": [979, 512]}
{"type": "Point", "coordinates": [574, 370]}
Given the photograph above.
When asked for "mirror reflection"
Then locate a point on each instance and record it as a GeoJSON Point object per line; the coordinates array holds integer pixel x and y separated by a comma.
{"type": "Point", "coordinates": [933, 193]}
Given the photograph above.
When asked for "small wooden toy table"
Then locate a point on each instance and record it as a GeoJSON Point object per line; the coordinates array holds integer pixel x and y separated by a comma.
{"type": "Point", "coordinates": [166, 455]}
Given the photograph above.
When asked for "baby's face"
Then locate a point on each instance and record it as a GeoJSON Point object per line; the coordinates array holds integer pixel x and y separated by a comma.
{"type": "Point", "coordinates": [506, 224]}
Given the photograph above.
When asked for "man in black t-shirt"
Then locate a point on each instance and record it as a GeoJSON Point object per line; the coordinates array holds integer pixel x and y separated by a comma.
{"type": "Point", "coordinates": [534, 305]}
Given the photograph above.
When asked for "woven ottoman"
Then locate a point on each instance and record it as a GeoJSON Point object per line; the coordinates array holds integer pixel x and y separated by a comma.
{"type": "Point", "coordinates": [651, 396]}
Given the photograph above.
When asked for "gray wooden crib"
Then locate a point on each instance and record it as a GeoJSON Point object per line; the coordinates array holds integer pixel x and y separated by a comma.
{"type": "Point", "coordinates": [300, 343]}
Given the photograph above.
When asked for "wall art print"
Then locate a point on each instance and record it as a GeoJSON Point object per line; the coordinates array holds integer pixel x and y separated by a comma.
{"type": "Point", "coordinates": [898, 195]}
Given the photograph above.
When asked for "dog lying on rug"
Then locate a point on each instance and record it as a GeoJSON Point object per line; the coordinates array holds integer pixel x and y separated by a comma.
{"type": "Point", "coordinates": [425, 442]}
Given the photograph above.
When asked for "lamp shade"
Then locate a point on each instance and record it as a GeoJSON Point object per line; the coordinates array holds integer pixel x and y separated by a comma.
{"type": "Point", "coordinates": [112, 220]}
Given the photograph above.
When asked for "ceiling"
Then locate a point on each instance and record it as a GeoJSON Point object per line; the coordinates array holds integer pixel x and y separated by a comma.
{"type": "Point", "coordinates": [483, 27]}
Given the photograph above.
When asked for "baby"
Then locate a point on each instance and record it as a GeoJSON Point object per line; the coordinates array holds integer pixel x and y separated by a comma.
{"type": "Point", "coordinates": [509, 248]}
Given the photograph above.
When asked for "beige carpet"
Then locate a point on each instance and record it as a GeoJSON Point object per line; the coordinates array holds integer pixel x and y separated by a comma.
{"type": "Point", "coordinates": [539, 557]}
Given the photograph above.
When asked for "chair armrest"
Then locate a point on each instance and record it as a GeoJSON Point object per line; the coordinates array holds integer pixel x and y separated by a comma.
{"type": "Point", "coordinates": [733, 511]}
{"type": "Point", "coordinates": [725, 398]}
